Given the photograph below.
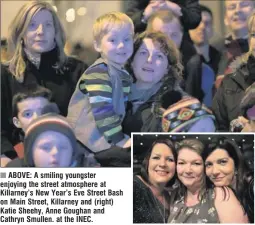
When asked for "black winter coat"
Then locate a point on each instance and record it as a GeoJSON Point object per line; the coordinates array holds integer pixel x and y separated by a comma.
{"type": "Point", "coordinates": [61, 85]}
{"type": "Point", "coordinates": [226, 102]}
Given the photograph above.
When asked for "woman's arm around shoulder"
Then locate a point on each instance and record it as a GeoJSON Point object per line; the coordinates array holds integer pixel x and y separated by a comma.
{"type": "Point", "coordinates": [228, 207]}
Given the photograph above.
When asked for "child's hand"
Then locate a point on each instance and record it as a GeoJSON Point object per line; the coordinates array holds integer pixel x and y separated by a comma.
{"type": "Point", "coordinates": [4, 160]}
{"type": "Point", "coordinates": [127, 144]}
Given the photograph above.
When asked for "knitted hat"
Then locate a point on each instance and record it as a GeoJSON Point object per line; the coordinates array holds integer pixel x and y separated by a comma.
{"type": "Point", "coordinates": [181, 116]}
{"type": "Point", "coordinates": [47, 122]}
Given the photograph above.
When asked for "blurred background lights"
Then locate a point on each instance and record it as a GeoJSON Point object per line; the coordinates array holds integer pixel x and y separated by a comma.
{"type": "Point", "coordinates": [55, 8]}
{"type": "Point", "coordinates": [70, 15]}
{"type": "Point", "coordinates": [81, 11]}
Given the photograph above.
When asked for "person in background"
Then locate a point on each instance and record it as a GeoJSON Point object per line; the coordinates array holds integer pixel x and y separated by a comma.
{"type": "Point", "coordinates": [237, 42]}
{"type": "Point", "coordinates": [195, 202]}
{"type": "Point", "coordinates": [226, 102]}
{"type": "Point", "coordinates": [170, 25]}
{"type": "Point", "coordinates": [224, 166]}
{"type": "Point", "coordinates": [152, 185]}
{"type": "Point", "coordinates": [248, 108]}
{"type": "Point", "coordinates": [187, 10]}
{"type": "Point", "coordinates": [36, 43]}
{"type": "Point", "coordinates": [201, 36]}
{"type": "Point", "coordinates": [97, 107]}
{"type": "Point", "coordinates": [4, 54]}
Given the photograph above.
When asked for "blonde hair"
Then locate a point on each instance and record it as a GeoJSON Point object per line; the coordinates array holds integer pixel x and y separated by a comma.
{"type": "Point", "coordinates": [250, 23]}
{"type": "Point", "coordinates": [108, 21]}
{"type": "Point", "coordinates": [17, 31]}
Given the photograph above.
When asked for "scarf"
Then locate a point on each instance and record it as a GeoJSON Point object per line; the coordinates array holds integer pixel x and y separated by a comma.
{"type": "Point", "coordinates": [139, 96]}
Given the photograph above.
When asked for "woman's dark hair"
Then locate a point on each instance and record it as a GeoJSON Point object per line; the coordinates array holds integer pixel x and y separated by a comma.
{"type": "Point", "coordinates": [144, 170]}
{"type": "Point", "coordinates": [240, 170]}
{"type": "Point", "coordinates": [233, 152]}
{"type": "Point", "coordinates": [175, 69]}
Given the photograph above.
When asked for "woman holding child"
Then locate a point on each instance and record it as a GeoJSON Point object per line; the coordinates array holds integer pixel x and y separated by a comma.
{"type": "Point", "coordinates": [157, 71]}
{"type": "Point", "coordinates": [36, 44]}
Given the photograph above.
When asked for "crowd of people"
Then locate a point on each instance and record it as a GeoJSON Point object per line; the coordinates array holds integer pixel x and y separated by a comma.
{"type": "Point", "coordinates": [156, 71]}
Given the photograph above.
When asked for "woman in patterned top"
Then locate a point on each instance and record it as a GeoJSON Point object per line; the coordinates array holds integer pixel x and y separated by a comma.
{"type": "Point", "coordinates": [151, 196]}
{"type": "Point", "coordinates": [193, 201]}
{"type": "Point", "coordinates": [224, 165]}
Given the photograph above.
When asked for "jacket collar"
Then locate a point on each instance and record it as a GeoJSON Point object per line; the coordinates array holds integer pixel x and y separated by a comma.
{"type": "Point", "coordinates": [49, 58]}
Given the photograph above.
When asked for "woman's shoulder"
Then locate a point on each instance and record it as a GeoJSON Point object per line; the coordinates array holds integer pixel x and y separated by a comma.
{"type": "Point", "coordinates": [4, 68]}
{"type": "Point", "coordinates": [5, 73]}
{"type": "Point", "coordinates": [74, 63]}
{"type": "Point", "coordinates": [224, 194]}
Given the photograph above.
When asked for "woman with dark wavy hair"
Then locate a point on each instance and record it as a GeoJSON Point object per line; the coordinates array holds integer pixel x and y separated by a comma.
{"type": "Point", "coordinates": [151, 186]}
{"type": "Point", "coordinates": [157, 70]}
{"type": "Point", "coordinates": [224, 165]}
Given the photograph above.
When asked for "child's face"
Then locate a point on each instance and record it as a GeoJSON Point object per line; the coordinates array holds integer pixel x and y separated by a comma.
{"type": "Point", "coordinates": [116, 46]}
{"type": "Point", "coordinates": [52, 149]}
{"type": "Point", "coordinates": [28, 110]}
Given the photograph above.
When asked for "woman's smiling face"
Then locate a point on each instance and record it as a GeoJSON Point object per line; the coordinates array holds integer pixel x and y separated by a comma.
{"type": "Point", "coordinates": [150, 64]}
{"type": "Point", "coordinates": [161, 167]}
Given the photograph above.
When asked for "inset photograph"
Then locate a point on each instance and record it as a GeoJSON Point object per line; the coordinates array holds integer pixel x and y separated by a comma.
{"type": "Point", "coordinates": [193, 178]}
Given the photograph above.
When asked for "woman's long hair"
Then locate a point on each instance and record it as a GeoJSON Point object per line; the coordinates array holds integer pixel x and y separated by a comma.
{"type": "Point", "coordinates": [17, 31]}
{"type": "Point", "coordinates": [145, 164]}
{"type": "Point", "coordinates": [240, 169]}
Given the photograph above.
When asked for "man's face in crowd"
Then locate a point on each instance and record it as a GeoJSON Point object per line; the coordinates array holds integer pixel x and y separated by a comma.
{"type": "Point", "coordinates": [204, 31]}
{"type": "Point", "coordinates": [237, 13]}
{"type": "Point", "coordinates": [172, 29]}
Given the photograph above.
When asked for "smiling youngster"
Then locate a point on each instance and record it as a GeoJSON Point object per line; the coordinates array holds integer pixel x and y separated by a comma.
{"type": "Point", "coordinates": [97, 106]}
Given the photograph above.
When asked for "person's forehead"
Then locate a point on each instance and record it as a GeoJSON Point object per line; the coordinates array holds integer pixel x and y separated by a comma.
{"type": "Point", "coordinates": [32, 103]}
{"type": "Point", "coordinates": [229, 2]}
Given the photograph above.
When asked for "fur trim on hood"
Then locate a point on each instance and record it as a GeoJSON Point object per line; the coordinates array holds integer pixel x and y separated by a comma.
{"type": "Point", "coordinates": [240, 63]}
